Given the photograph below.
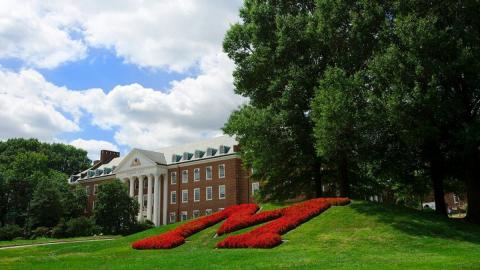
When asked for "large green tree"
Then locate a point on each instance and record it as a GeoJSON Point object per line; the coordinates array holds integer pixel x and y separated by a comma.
{"type": "Point", "coordinates": [23, 162]}
{"type": "Point", "coordinates": [115, 211]}
{"type": "Point", "coordinates": [281, 50]}
{"type": "Point", "coordinates": [46, 207]}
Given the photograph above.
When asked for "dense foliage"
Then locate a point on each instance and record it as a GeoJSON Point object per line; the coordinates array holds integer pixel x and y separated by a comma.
{"type": "Point", "coordinates": [115, 211]}
{"type": "Point", "coordinates": [33, 176]}
{"type": "Point", "coordinates": [366, 97]}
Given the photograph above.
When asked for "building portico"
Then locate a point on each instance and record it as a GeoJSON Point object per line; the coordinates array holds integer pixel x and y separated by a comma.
{"type": "Point", "coordinates": [145, 174]}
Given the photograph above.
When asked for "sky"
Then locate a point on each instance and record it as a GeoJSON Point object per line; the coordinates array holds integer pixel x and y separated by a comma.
{"type": "Point", "coordinates": [115, 74]}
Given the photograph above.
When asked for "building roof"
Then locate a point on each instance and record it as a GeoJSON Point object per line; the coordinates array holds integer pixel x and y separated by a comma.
{"type": "Point", "coordinates": [202, 145]}
{"type": "Point", "coordinates": [213, 147]}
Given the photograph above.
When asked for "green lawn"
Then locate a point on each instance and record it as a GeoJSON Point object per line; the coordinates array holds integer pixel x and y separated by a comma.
{"type": "Point", "coordinates": [42, 240]}
{"type": "Point", "coordinates": [359, 236]}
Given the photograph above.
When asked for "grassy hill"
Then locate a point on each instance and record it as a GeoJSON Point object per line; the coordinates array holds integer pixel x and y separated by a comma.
{"type": "Point", "coordinates": [359, 236]}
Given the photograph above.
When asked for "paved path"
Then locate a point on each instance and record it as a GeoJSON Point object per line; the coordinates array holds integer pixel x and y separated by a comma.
{"type": "Point", "coordinates": [55, 243]}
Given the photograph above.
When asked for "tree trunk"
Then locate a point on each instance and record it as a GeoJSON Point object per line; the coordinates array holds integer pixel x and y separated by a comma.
{"type": "Point", "coordinates": [344, 180]}
{"type": "Point", "coordinates": [437, 176]}
{"type": "Point", "coordinates": [473, 189]}
{"type": "Point", "coordinates": [317, 177]}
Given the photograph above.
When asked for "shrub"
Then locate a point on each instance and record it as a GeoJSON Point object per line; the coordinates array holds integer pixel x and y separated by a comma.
{"type": "Point", "coordinates": [81, 226]}
{"type": "Point", "coordinates": [139, 227]}
{"type": "Point", "coordinates": [9, 232]}
{"type": "Point", "coordinates": [60, 230]}
{"type": "Point", "coordinates": [40, 232]}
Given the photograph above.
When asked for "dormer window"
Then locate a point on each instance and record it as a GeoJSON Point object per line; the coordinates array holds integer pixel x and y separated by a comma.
{"type": "Point", "coordinates": [107, 170]}
{"type": "Point", "coordinates": [91, 174]}
{"type": "Point", "coordinates": [176, 158]}
{"type": "Point", "coordinates": [199, 154]}
{"type": "Point", "coordinates": [223, 149]}
{"type": "Point", "coordinates": [211, 152]}
{"type": "Point", "coordinates": [187, 156]}
{"type": "Point", "coordinates": [98, 172]}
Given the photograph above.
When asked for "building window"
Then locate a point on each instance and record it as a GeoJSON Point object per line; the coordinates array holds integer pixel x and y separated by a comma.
{"type": "Point", "coordinates": [88, 189]}
{"type": "Point", "coordinates": [145, 200]}
{"type": "Point", "coordinates": [196, 213]}
{"type": "Point", "coordinates": [173, 217]}
{"type": "Point", "coordinates": [185, 176]}
{"type": "Point", "coordinates": [136, 185]}
{"type": "Point", "coordinates": [221, 209]}
{"type": "Point", "coordinates": [173, 197]}
{"type": "Point", "coordinates": [221, 192]}
{"type": "Point", "coordinates": [196, 195]}
{"type": "Point", "coordinates": [95, 189]}
{"type": "Point", "coordinates": [145, 183]}
{"type": "Point", "coordinates": [208, 211]}
{"type": "Point", "coordinates": [173, 178]}
{"type": "Point", "coordinates": [255, 187]}
{"type": "Point", "coordinates": [208, 193]}
{"type": "Point", "coordinates": [208, 173]}
{"type": "Point", "coordinates": [196, 174]}
{"type": "Point", "coordinates": [185, 196]}
{"type": "Point", "coordinates": [221, 171]}
{"type": "Point", "coordinates": [184, 216]}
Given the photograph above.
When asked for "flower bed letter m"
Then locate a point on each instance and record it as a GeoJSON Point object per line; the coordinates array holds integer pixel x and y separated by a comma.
{"type": "Point", "coordinates": [242, 216]}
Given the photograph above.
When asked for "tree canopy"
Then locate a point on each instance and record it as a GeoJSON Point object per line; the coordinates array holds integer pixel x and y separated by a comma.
{"type": "Point", "coordinates": [371, 96]}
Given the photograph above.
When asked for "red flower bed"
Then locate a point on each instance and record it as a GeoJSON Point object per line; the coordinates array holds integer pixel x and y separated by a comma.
{"type": "Point", "coordinates": [242, 216]}
{"type": "Point", "coordinates": [177, 236]}
{"type": "Point", "coordinates": [268, 235]}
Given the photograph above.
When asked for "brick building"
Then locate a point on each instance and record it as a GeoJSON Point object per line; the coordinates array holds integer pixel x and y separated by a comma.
{"type": "Point", "coordinates": [175, 183]}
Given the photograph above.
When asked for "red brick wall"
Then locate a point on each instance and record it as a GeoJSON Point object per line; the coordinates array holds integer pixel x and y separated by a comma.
{"type": "Point", "coordinates": [236, 181]}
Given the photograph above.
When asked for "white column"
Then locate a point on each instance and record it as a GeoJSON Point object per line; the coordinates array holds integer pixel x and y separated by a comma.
{"type": "Point", "coordinates": [156, 200]}
{"type": "Point", "coordinates": [149, 197]}
{"type": "Point", "coordinates": [131, 181]}
{"type": "Point", "coordinates": [165, 201]}
{"type": "Point", "coordinates": [140, 198]}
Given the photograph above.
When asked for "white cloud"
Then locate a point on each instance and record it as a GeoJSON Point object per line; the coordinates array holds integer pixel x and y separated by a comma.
{"type": "Point", "coordinates": [93, 147]}
{"type": "Point", "coordinates": [190, 109]}
{"type": "Point", "coordinates": [29, 32]}
{"type": "Point", "coordinates": [171, 34]}
{"type": "Point", "coordinates": [25, 111]}
{"type": "Point", "coordinates": [168, 34]}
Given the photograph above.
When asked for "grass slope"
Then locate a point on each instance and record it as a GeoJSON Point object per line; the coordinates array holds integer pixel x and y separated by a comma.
{"type": "Point", "coordinates": [359, 236]}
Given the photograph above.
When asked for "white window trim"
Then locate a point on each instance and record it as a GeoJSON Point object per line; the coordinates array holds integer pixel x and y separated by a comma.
{"type": "Point", "coordinates": [208, 210]}
{"type": "Point", "coordinates": [211, 173]}
{"type": "Point", "coordinates": [95, 189]}
{"type": "Point", "coordinates": [184, 181]}
{"type": "Point", "coordinates": [224, 171]}
{"type": "Point", "coordinates": [181, 215]}
{"type": "Point", "coordinates": [199, 175]}
{"type": "Point", "coordinates": [93, 205]}
{"type": "Point", "coordinates": [171, 197]}
{"type": "Point", "coordinates": [221, 209]}
{"type": "Point", "coordinates": [174, 215]}
{"type": "Point", "coordinates": [199, 194]}
{"type": "Point", "coordinates": [183, 192]}
{"type": "Point", "coordinates": [171, 178]}
{"type": "Point", "coordinates": [206, 193]}
{"type": "Point", "coordinates": [195, 211]}
{"type": "Point", "coordinates": [257, 185]}
{"type": "Point", "coordinates": [224, 192]}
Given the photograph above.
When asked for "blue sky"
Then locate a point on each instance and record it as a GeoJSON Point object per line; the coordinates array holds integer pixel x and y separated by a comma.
{"type": "Point", "coordinates": [115, 75]}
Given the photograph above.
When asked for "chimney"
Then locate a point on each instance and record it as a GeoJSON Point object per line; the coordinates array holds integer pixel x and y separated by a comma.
{"type": "Point", "coordinates": [106, 156]}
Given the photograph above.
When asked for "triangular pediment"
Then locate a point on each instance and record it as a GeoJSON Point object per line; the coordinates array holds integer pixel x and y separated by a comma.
{"type": "Point", "coordinates": [138, 158]}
